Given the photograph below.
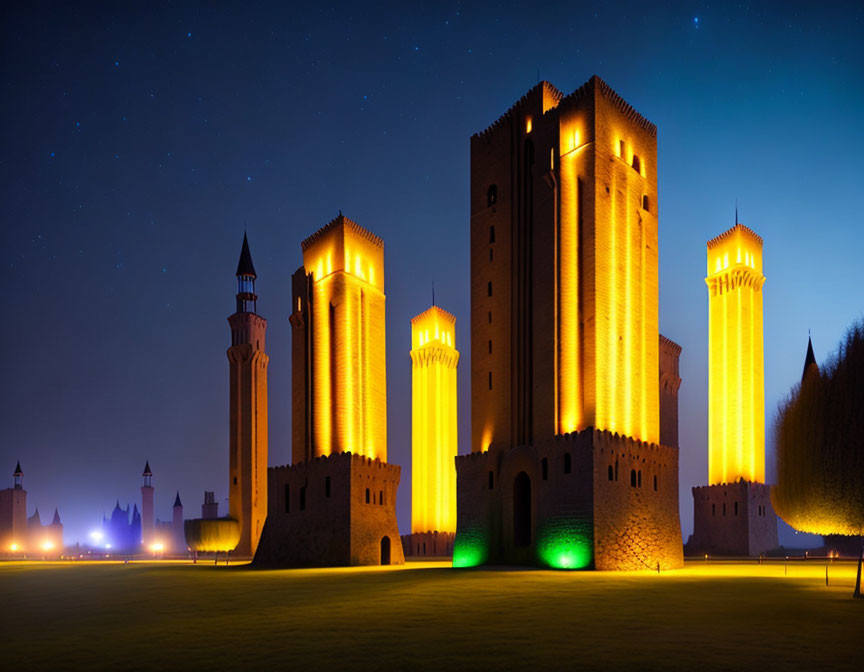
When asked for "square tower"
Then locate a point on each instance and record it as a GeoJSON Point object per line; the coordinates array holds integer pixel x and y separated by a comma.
{"type": "Point", "coordinates": [336, 503]}
{"type": "Point", "coordinates": [566, 470]}
{"type": "Point", "coordinates": [564, 269]}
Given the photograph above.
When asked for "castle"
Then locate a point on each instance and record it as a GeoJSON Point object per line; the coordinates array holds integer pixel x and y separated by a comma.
{"type": "Point", "coordinates": [567, 467]}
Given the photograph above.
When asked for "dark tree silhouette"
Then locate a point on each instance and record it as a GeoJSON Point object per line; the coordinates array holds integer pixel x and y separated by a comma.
{"type": "Point", "coordinates": [819, 435]}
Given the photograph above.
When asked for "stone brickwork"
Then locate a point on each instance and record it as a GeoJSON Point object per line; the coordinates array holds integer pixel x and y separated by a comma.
{"type": "Point", "coordinates": [428, 544]}
{"type": "Point", "coordinates": [734, 519]}
{"type": "Point", "coordinates": [591, 503]}
{"type": "Point", "coordinates": [336, 510]}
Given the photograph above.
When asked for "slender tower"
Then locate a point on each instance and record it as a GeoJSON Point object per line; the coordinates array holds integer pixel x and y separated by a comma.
{"type": "Point", "coordinates": [148, 526]}
{"type": "Point", "coordinates": [13, 515]}
{"type": "Point", "coordinates": [736, 378]}
{"type": "Point", "coordinates": [433, 433]}
{"type": "Point", "coordinates": [248, 407]}
{"type": "Point", "coordinates": [179, 537]}
{"type": "Point", "coordinates": [732, 515]}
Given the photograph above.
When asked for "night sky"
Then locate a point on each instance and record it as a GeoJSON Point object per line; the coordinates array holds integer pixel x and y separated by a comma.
{"type": "Point", "coordinates": [139, 141]}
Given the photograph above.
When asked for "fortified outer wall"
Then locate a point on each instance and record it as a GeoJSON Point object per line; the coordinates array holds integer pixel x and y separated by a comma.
{"type": "Point", "coordinates": [733, 519]}
{"type": "Point", "coordinates": [331, 511]}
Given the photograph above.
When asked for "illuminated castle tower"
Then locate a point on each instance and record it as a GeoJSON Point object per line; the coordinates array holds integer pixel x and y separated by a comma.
{"type": "Point", "coordinates": [434, 440]}
{"type": "Point", "coordinates": [565, 361]}
{"type": "Point", "coordinates": [733, 514]}
{"type": "Point", "coordinates": [13, 515]}
{"type": "Point", "coordinates": [148, 518]}
{"type": "Point", "coordinates": [247, 491]}
{"type": "Point", "coordinates": [336, 504]}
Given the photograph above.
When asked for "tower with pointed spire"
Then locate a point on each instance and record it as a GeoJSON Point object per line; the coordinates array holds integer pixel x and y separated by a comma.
{"type": "Point", "coordinates": [810, 365]}
{"type": "Point", "coordinates": [247, 488]}
{"type": "Point", "coordinates": [148, 519]}
{"type": "Point", "coordinates": [179, 537]}
{"type": "Point", "coordinates": [13, 515]}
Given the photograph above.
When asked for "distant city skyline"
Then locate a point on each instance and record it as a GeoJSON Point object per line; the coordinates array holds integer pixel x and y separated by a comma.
{"type": "Point", "coordinates": [139, 145]}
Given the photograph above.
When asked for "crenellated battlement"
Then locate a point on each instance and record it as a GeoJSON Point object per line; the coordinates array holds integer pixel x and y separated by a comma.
{"type": "Point", "coordinates": [738, 228]}
{"type": "Point", "coordinates": [335, 459]}
{"type": "Point", "coordinates": [348, 224]}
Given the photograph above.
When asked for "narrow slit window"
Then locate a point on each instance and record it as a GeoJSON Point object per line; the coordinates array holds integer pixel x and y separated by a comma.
{"type": "Point", "coordinates": [490, 380]}
{"type": "Point", "coordinates": [632, 478]}
{"type": "Point", "coordinates": [368, 496]}
{"type": "Point", "coordinates": [567, 463]}
{"type": "Point", "coordinates": [327, 486]}
{"type": "Point", "coordinates": [491, 234]}
{"type": "Point", "coordinates": [646, 204]}
{"type": "Point", "coordinates": [611, 476]}
{"type": "Point", "coordinates": [544, 467]}
{"type": "Point", "coordinates": [303, 498]}
{"type": "Point", "coordinates": [637, 165]}
{"type": "Point", "coordinates": [655, 484]}
{"type": "Point", "coordinates": [491, 480]}
{"type": "Point", "coordinates": [491, 195]}
{"type": "Point", "coordinates": [287, 499]}
{"type": "Point", "coordinates": [489, 288]}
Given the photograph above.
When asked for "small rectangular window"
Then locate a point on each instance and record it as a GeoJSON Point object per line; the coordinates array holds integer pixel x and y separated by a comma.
{"type": "Point", "coordinates": [655, 484]}
{"type": "Point", "coordinates": [490, 380]}
{"type": "Point", "coordinates": [368, 496]}
{"type": "Point", "coordinates": [489, 288]}
{"type": "Point", "coordinates": [491, 480]}
{"type": "Point", "coordinates": [544, 466]}
{"type": "Point", "coordinates": [567, 463]}
{"type": "Point", "coordinates": [381, 497]}
{"type": "Point", "coordinates": [327, 486]}
{"type": "Point", "coordinates": [287, 499]}
{"type": "Point", "coordinates": [303, 498]}
{"type": "Point", "coordinates": [736, 508]}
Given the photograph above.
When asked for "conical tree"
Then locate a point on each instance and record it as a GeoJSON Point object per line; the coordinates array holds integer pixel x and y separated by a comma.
{"type": "Point", "coordinates": [819, 434]}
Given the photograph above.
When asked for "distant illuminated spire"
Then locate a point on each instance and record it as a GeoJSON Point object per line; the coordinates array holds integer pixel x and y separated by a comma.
{"type": "Point", "coordinates": [247, 300]}
{"type": "Point", "coordinates": [177, 501]}
{"type": "Point", "coordinates": [809, 360]}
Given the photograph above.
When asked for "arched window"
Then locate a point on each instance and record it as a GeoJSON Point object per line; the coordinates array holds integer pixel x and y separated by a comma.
{"type": "Point", "coordinates": [491, 196]}
{"type": "Point", "coordinates": [645, 203]}
{"type": "Point", "coordinates": [567, 463]}
{"type": "Point", "coordinates": [544, 467]}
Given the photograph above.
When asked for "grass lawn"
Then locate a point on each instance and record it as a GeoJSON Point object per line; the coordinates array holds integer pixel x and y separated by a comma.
{"type": "Point", "coordinates": [427, 615]}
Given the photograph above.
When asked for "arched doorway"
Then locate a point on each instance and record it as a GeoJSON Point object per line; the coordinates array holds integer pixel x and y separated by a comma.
{"type": "Point", "coordinates": [522, 510]}
{"type": "Point", "coordinates": [385, 550]}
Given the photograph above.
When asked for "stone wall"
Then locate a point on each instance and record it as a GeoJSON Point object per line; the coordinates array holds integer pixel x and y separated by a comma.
{"type": "Point", "coordinates": [636, 522]}
{"type": "Point", "coordinates": [331, 511]}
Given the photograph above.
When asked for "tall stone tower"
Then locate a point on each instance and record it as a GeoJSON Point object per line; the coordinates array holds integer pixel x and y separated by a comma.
{"type": "Point", "coordinates": [247, 499]}
{"type": "Point", "coordinates": [434, 436]}
{"type": "Point", "coordinates": [148, 519]}
{"type": "Point", "coordinates": [733, 513]}
{"type": "Point", "coordinates": [336, 504]}
{"type": "Point", "coordinates": [13, 515]}
{"type": "Point", "coordinates": [564, 340]}
{"type": "Point", "coordinates": [339, 389]}
{"type": "Point", "coordinates": [564, 269]}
